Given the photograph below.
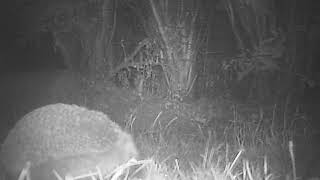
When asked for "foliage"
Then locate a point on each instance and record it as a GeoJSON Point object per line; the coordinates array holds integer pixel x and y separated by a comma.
{"type": "Point", "coordinates": [172, 24]}
{"type": "Point", "coordinates": [264, 58]}
{"type": "Point", "coordinates": [262, 55]}
{"type": "Point", "coordinates": [142, 70]}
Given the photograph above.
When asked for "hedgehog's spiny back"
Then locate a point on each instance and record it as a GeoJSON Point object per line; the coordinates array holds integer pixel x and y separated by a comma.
{"type": "Point", "coordinates": [58, 131]}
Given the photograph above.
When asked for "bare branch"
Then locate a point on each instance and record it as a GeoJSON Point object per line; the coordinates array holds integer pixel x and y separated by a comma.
{"type": "Point", "coordinates": [159, 22]}
{"type": "Point", "coordinates": [128, 61]}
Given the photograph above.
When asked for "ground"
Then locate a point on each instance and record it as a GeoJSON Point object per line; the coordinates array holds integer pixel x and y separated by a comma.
{"type": "Point", "coordinates": [193, 136]}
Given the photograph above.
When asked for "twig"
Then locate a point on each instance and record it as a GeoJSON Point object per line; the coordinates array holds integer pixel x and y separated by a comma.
{"type": "Point", "coordinates": [156, 119]}
{"type": "Point", "coordinates": [172, 120]}
{"type": "Point", "coordinates": [234, 161]}
{"type": "Point", "coordinates": [293, 162]}
{"type": "Point", "coordinates": [128, 60]}
{"type": "Point", "coordinates": [99, 173]}
{"type": "Point", "coordinates": [25, 173]}
{"type": "Point", "coordinates": [114, 24]}
{"type": "Point", "coordinates": [57, 175]}
{"type": "Point", "coordinates": [160, 25]}
{"type": "Point", "coordinates": [192, 84]}
{"type": "Point", "coordinates": [248, 170]}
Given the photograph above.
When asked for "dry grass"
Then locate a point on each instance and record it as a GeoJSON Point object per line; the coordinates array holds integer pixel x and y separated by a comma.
{"type": "Point", "coordinates": [243, 151]}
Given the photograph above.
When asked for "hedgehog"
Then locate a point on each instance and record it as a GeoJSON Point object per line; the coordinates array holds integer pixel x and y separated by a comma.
{"type": "Point", "coordinates": [66, 138]}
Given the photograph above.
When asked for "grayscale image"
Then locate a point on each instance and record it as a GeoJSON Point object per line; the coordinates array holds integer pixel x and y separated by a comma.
{"type": "Point", "coordinates": [160, 90]}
